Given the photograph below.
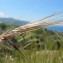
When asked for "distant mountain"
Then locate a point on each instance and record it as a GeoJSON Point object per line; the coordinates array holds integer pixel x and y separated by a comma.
{"type": "Point", "coordinates": [12, 21]}
{"type": "Point", "coordinates": [58, 28]}
{"type": "Point", "coordinates": [22, 22]}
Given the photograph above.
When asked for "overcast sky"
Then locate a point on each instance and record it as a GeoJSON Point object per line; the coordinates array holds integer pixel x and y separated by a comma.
{"type": "Point", "coordinates": [29, 10]}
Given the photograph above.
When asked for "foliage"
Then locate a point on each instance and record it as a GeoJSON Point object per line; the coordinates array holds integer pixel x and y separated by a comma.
{"type": "Point", "coordinates": [2, 26]}
{"type": "Point", "coordinates": [38, 46]}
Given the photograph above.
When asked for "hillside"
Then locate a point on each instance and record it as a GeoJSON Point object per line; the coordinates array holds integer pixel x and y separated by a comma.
{"type": "Point", "coordinates": [39, 36]}
{"type": "Point", "coordinates": [22, 22]}
{"type": "Point", "coordinates": [40, 39]}
{"type": "Point", "coordinates": [42, 43]}
{"type": "Point", "coordinates": [12, 21]}
{"type": "Point", "coordinates": [58, 28]}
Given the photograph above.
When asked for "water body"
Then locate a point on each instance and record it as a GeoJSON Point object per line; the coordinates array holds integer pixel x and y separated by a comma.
{"type": "Point", "coordinates": [55, 28]}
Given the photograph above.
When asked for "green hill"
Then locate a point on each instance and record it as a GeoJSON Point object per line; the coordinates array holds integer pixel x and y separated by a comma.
{"type": "Point", "coordinates": [35, 46]}
{"type": "Point", "coordinates": [13, 21]}
{"type": "Point", "coordinates": [39, 37]}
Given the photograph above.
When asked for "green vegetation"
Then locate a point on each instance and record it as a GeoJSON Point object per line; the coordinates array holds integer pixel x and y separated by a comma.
{"type": "Point", "coordinates": [37, 46]}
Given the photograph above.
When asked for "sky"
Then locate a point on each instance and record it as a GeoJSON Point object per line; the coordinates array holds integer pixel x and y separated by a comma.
{"type": "Point", "coordinates": [29, 10]}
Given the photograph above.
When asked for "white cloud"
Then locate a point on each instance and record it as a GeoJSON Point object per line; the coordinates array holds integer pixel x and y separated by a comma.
{"type": "Point", "coordinates": [2, 14]}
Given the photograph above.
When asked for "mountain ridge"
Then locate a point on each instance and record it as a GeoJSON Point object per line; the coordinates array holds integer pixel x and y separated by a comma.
{"type": "Point", "coordinates": [22, 22]}
{"type": "Point", "coordinates": [13, 21]}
